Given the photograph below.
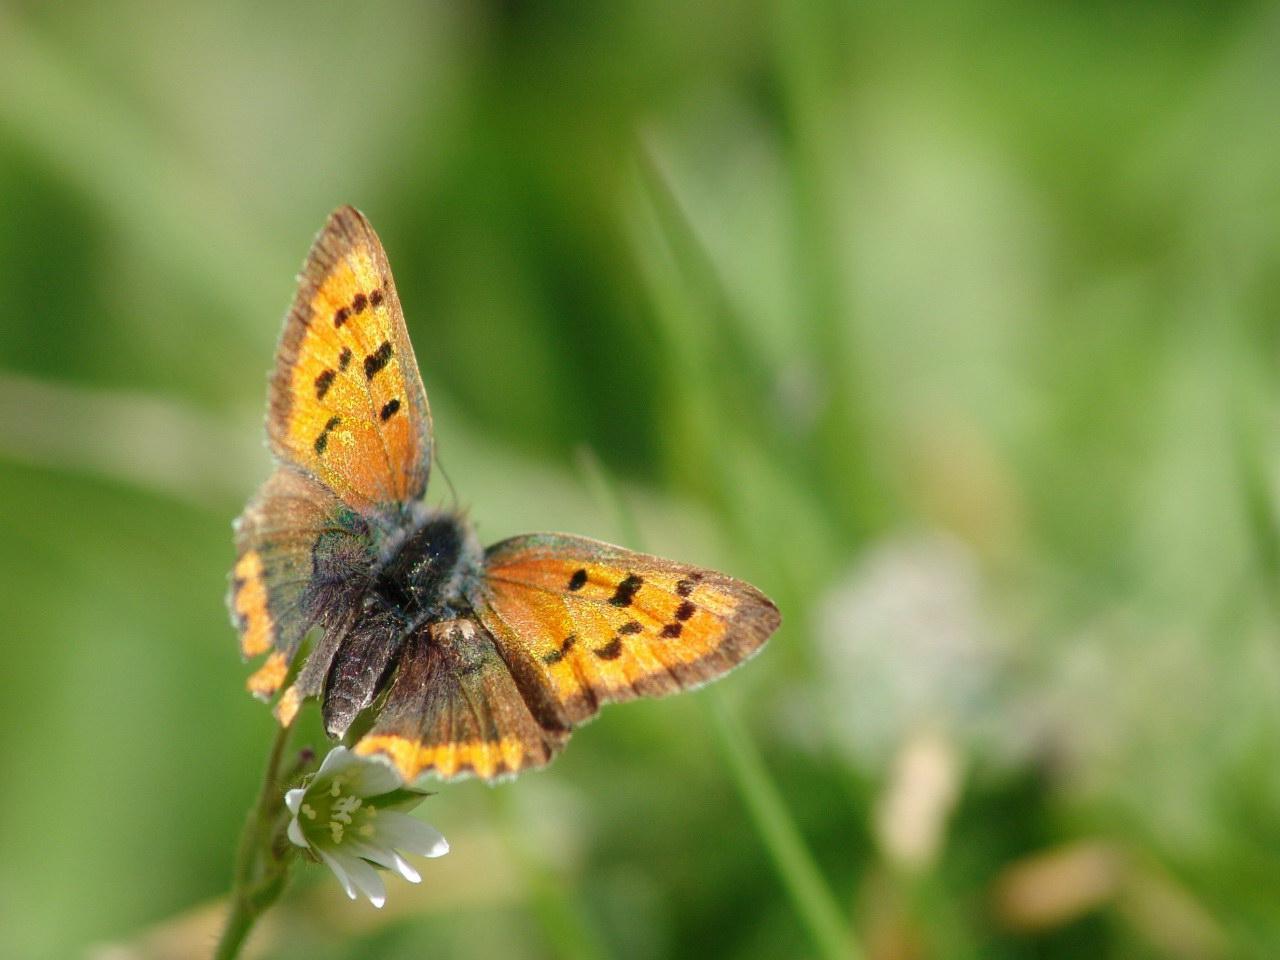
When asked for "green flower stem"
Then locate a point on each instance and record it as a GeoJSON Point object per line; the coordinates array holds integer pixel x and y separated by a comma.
{"type": "Point", "coordinates": [813, 900]}
{"type": "Point", "coordinates": [261, 867]}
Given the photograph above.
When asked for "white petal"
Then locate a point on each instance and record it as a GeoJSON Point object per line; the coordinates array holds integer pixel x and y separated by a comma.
{"type": "Point", "coordinates": [407, 871]}
{"type": "Point", "coordinates": [364, 877]}
{"type": "Point", "coordinates": [339, 759]}
{"type": "Point", "coordinates": [384, 857]}
{"type": "Point", "coordinates": [295, 834]}
{"type": "Point", "coordinates": [293, 799]}
{"type": "Point", "coordinates": [403, 832]}
{"type": "Point", "coordinates": [379, 855]}
{"type": "Point", "coordinates": [373, 778]}
{"type": "Point", "coordinates": [338, 872]}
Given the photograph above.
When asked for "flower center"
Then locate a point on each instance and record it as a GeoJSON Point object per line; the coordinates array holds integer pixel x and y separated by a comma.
{"type": "Point", "coordinates": [338, 811]}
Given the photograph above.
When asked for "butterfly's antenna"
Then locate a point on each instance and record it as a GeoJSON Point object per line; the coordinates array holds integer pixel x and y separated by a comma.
{"type": "Point", "coordinates": [453, 492]}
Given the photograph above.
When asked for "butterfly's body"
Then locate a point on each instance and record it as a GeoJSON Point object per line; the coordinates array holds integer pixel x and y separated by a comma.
{"type": "Point", "coordinates": [426, 562]}
{"type": "Point", "coordinates": [482, 661]}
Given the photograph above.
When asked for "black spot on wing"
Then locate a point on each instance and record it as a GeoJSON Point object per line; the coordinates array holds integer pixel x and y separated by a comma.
{"type": "Point", "coordinates": [323, 383]}
{"type": "Point", "coordinates": [578, 580]}
{"type": "Point", "coordinates": [389, 409]}
{"type": "Point", "coordinates": [377, 360]}
{"type": "Point", "coordinates": [340, 316]}
{"type": "Point", "coordinates": [322, 441]}
{"type": "Point", "coordinates": [555, 656]}
{"type": "Point", "coordinates": [631, 626]}
{"type": "Point", "coordinates": [375, 298]}
{"type": "Point", "coordinates": [672, 630]}
{"type": "Point", "coordinates": [685, 610]}
{"type": "Point", "coordinates": [626, 591]}
{"type": "Point", "coordinates": [359, 303]}
{"type": "Point", "coordinates": [344, 358]}
{"type": "Point", "coordinates": [610, 651]}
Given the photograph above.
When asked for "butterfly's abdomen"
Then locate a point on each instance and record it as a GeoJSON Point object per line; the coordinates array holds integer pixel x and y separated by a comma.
{"type": "Point", "coordinates": [426, 564]}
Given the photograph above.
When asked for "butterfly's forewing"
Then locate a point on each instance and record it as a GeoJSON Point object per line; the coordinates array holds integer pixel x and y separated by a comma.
{"type": "Point", "coordinates": [347, 403]}
{"type": "Point", "coordinates": [582, 623]}
{"type": "Point", "coordinates": [453, 709]}
{"type": "Point", "coordinates": [295, 542]}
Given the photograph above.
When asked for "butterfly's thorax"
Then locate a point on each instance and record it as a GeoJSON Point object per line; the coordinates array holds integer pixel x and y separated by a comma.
{"type": "Point", "coordinates": [425, 562]}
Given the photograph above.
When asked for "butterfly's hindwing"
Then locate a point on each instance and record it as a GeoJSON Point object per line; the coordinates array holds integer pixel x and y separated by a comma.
{"type": "Point", "coordinates": [453, 709]}
{"type": "Point", "coordinates": [295, 548]}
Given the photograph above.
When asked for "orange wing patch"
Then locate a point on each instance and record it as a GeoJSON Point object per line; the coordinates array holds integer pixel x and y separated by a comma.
{"type": "Point", "coordinates": [288, 705]}
{"type": "Point", "coordinates": [249, 605]}
{"type": "Point", "coordinates": [347, 403]}
{"type": "Point", "coordinates": [267, 679]}
{"type": "Point", "coordinates": [487, 759]}
{"type": "Point", "coordinates": [583, 623]}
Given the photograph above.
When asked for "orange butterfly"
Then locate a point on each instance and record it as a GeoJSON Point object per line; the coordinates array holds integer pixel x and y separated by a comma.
{"type": "Point", "coordinates": [486, 659]}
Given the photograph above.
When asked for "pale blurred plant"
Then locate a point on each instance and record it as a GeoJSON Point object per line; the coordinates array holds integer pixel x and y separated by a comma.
{"type": "Point", "coordinates": [910, 687]}
{"type": "Point", "coordinates": [906, 647]}
{"type": "Point", "coordinates": [911, 814]}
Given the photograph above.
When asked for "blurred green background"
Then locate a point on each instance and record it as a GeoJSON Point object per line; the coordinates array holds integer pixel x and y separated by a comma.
{"type": "Point", "coordinates": [953, 327]}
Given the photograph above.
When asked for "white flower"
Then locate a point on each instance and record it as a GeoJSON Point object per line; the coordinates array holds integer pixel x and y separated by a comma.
{"type": "Point", "coordinates": [352, 816]}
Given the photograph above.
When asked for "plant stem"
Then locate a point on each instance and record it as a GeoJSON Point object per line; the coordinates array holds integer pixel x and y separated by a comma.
{"type": "Point", "coordinates": [259, 874]}
{"type": "Point", "coordinates": [813, 900]}
{"type": "Point", "coordinates": [239, 923]}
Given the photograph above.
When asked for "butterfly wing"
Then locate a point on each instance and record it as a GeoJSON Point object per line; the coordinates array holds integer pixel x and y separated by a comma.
{"type": "Point", "coordinates": [346, 401]}
{"type": "Point", "coordinates": [453, 709]}
{"type": "Point", "coordinates": [582, 623]}
{"type": "Point", "coordinates": [296, 546]}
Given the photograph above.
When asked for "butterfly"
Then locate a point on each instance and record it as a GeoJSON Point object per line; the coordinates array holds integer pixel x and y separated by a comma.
{"type": "Point", "coordinates": [444, 658]}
